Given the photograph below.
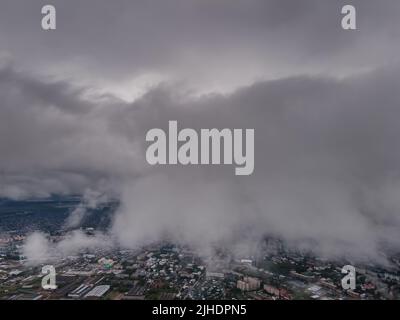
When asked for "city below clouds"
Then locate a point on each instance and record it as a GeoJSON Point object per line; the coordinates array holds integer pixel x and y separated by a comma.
{"type": "Point", "coordinates": [77, 102]}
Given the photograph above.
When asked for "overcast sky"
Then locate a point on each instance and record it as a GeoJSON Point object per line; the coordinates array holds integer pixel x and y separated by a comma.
{"type": "Point", "coordinates": [76, 103]}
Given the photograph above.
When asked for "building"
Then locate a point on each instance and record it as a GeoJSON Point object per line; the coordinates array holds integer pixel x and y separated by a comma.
{"type": "Point", "coordinates": [248, 284]}
{"type": "Point", "coordinates": [98, 291]}
{"type": "Point", "coordinates": [136, 293]}
{"type": "Point", "coordinates": [302, 276]}
{"type": "Point", "coordinates": [281, 293]}
{"type": "Point", "coordinates": [106, 263]}
{"type": "Point", "coordinates": [79, 292]}
{"type": "Point", "coordinates": [253, 282]}
{"type": "Point", "coordinates": [271, 290]}
{"type": "Point", "coordinates": [329, 285]}
{"type": "Point", "coordinates": [211, 275]}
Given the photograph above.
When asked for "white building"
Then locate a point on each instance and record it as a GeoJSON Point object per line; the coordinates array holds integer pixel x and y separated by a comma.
{"type": "Point", "coordinates": [98, 291]}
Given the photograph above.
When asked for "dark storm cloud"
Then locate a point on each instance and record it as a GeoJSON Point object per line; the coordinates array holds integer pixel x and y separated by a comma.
{"type": "Point", "coordinates": [323, 103]}
{"type": "Point", "coordinates": [326, 169]}
{"type": "Point", "coordinates": [50, 135]}
{"type": "Point", "coordinates": [326, 165]}
{"type": "Point", "coordinates": [204, 42]}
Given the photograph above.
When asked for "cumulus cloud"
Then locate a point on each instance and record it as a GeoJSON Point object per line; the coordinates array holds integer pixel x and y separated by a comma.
{"type": "Point", "coordinates": [91, 200]}
{"type": "Point", "coordinates": [38, 249]}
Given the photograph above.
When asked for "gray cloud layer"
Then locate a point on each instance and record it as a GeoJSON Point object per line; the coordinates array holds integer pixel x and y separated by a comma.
{"type": "Point", "coordinates": [208, 44]}
{"type": "Point", "coordinates": [323, 102]}
{"type": "Point", "coordinates": [326, 165]}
